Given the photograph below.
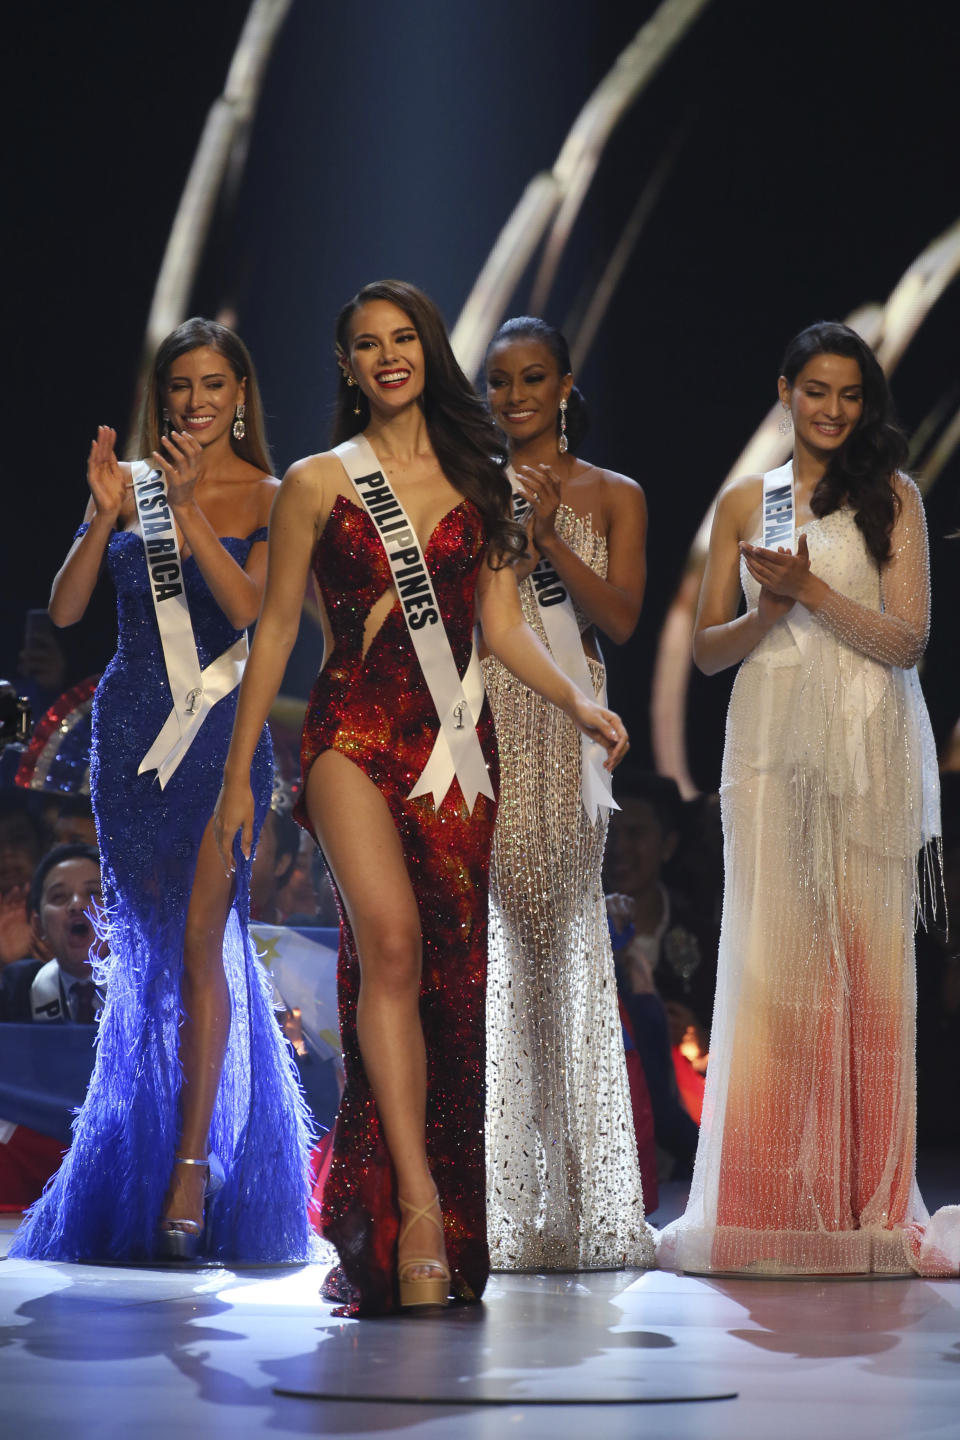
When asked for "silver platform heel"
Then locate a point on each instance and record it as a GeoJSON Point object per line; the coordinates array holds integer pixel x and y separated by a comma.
{"type": "Point", "coordinates": [180, 1239]}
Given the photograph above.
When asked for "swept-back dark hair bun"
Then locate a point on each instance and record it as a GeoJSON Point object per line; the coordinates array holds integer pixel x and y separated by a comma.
{"type": "Point", "coordinates": [861, 472]}
{"type": "Point", "coordinates": [531, 327]}
{"type": "Point", "coordinates": [468, 445]}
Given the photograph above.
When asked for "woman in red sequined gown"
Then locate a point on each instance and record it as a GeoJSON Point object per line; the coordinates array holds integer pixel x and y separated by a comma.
{"type": "Point", "coordinates": [411, 878]}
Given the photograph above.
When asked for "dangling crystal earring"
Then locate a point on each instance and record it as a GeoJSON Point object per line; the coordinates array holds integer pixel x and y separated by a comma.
{"type": "Point", "coordinates": [356, 403]}
{"type": "Point", "coordinates": [562, 442]}
{"type": "Point", "coordinates": [239, 429]}
{"type": "Point", "coordinates": [786, 421]}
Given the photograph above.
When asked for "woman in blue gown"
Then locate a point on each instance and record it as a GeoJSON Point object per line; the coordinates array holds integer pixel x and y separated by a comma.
{"type": "Point", "coordinates": [191, 1062]}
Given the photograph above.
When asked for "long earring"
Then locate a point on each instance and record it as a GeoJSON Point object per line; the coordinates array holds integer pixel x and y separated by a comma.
{"type": "Point", "coordinates": [562, 442]}
{"type": "Point", "coordinates": [166, 422]}
{"type": "Point", "coordinates": [356, 402]}
{"type": "Point", "coordinates": [239, 429]}
{"type": "Point", "coordinates": [786, 421]}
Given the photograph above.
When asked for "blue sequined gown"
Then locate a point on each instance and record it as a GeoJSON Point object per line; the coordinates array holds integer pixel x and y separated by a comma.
{"type": "Point", "coordinates": [107, 1198]}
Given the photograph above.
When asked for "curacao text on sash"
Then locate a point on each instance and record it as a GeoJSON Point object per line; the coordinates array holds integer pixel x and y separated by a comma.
{"type": "Point", "coordinates": [548, 588]}
{"type": "Point", "coordinates": [559, 620]}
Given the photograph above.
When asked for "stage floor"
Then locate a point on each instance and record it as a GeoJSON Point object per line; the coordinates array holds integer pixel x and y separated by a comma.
{"type": "Point", "coordinates": [96, 1352]}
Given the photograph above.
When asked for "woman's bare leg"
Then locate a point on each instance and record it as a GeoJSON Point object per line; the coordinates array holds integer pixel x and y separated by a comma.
{"type": "Point", "coordinates": [205, 1028]}
{"type": "Point", "coordinates": [362, 847]}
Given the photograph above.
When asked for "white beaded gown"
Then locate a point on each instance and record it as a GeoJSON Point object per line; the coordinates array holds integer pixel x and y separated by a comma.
{"type": "Point", "coordinates": [563, 1178]}
{"type": "Point", "coordinates": [829, 792]}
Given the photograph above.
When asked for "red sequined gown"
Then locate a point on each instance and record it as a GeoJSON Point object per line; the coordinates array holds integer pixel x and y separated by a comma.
{"type": "Point", "coordinates": [376, 710]}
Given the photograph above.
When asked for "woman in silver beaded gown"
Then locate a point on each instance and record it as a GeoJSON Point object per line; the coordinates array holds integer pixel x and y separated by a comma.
{"type": "Point", "coordinates": [563, 1179]}
{"type": "Point", "coordinates": [829, 791]}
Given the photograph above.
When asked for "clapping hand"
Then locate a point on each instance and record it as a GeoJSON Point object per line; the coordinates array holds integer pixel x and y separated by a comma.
{"type": "Point", "coordinates": [542, 488]}
{"type": "Point", "coordinates": [181, 465]}
{"type": "Point", "coordinates": [104, 475]}
{"type": "Point", "coordinates": [781, 572]}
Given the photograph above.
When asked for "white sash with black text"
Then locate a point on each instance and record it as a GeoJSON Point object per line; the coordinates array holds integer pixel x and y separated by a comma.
{"type": "Point", "coordinates": [779, 520]}
{"type": "Point", "coordinates": [559, 620]}
{"type": "Point", "coordinates": [458, 703]}
{"type": "Point", "coordinates": [194, 691]}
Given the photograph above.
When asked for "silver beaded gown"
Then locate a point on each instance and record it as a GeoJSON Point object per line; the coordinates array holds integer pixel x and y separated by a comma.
{"type": "Point", "coordinates": [563, 1178]}
{"type": "Point", "coordinates": [829, 790]}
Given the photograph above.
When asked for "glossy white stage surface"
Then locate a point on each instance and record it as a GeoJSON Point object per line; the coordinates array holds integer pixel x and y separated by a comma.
{"type": "Point", "coordinates": [95, 1352]}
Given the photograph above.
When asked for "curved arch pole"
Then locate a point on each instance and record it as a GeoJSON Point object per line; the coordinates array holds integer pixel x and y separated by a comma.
{"type": "Point", "coordinates": [223, 141]}
{"type": "Point", "coordinates": [579, 158]}
{"type": "Point", "coordinates": [559, 192]}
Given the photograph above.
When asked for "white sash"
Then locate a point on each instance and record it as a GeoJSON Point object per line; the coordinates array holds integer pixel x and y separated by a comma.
{"type": "Point", "coordinates": [46, 994]}
{"type": "Point", "coordinates": [194, 691]}
{"type": "Point", "coordinates": [778, 508]}
{"type": "Point", "coordinates": [779, 528]}
{"type": "Point", "coordinates": [456, 750]}
{"type": "Point", "coordinates": [559, 620]}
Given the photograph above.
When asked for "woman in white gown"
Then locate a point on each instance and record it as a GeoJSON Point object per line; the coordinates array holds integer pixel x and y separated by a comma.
{"type": "Point", "coordinates": [563, 1177]}
{"type": "Point", "coordinates": [829, 792]}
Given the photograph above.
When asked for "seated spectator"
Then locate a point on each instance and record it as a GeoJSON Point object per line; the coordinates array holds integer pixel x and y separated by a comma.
{"type": "Point", "coordinates": [58, 986]}
{"type": "Point", "coordinates": [273, 863]}
{"type": "Point", "coordinates": [665, 958]}
{"type": "Point", "coordinates": [677, 939]}
{"type": "Point", "coordinates": [308, 897]}
{"type": "Point", "coordinates": [23, 839]}
{"type": "Point", "coordinates": [74, 823]}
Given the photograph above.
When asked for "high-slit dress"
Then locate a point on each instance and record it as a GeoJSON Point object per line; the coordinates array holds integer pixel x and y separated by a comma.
{"type": "Point", "coordinates": [375, 709]}
{"type": "Point", "coordinates": [107, 1198]}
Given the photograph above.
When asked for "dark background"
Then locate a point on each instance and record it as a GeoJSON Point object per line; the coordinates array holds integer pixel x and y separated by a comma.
{"type": "Point", "coordinates": [817, 158]}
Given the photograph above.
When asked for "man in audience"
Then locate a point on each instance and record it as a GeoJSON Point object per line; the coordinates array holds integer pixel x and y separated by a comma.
{"type": "Point", "coordinates": [665, 958]}
{"type": "Point", "coordinates": [58, 986]}
{"type": "Point", "coordinates": [273, 863]}
{"type": "Point", "coordinates": [23, 840]}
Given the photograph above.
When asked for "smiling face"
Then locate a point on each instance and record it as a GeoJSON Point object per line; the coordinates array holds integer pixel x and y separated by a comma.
{"type": "Point", "coordinates": [385, 355]}
{"type": "Point", "coordinates": [524, 388]}
{"type": "Point", "coordinates": [826, 401]}
{"type": "Point", "coordinates": [638, 848]}
{"type": "Point", "coordinates": [201, 395]}
{"type": "Point", "coordinates": [61, 923]}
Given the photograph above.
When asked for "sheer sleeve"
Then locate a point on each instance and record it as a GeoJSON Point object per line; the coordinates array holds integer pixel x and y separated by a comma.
{"type": "Point", "coordinates": [897, 634]}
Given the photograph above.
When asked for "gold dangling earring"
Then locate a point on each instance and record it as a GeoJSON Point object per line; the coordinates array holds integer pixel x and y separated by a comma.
{"type": "Point", "coordinates": [356, 403]}
{"type": "Point", "coordinates": [562, 442]}
{"type": "Point", "coordinates": [239, 429]}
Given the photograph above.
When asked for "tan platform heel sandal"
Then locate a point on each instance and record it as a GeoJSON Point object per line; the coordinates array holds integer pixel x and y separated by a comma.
{"type": "Point", "coordinates": [422, 1289]}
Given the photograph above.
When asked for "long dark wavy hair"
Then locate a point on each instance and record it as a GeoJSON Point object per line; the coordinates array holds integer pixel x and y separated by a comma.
{"type": "Point", "coordinates": [465, 440]}
{"type": "Point", "coordinates": [191, 335]}
{"type": "Point", "coordinates": [861, 472]}
{"type": "Point", "coordinates": [531, 327]}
